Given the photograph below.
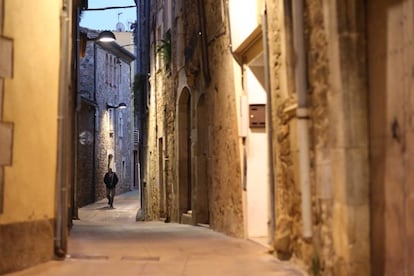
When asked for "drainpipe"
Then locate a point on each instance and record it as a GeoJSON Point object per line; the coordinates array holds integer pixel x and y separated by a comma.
{"type": "Point", "coordinates": [302, 113]}
{"type": "Point", "coordinates": [63, 147]}
{"type": "Point", "coordinates": [95, 125]}
{"type": "Point", "coordinates": [271, 182]}
{"type": "Point", "coordinates": [75, 215]}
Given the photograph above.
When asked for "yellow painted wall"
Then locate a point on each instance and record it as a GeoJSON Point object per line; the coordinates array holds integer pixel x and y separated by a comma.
{"type": "Point", "coordinates": [30, 102]}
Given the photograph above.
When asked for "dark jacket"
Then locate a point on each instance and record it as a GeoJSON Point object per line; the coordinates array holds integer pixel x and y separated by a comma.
{"type": "Point", "coordinates": [110, 180]}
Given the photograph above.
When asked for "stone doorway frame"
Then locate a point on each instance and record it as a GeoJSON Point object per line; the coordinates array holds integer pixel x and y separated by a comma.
{"type": "Point", "coordinates": [184, 111]}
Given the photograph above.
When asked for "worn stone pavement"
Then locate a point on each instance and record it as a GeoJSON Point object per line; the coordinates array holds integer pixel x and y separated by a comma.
{"type": "Point", "coordinates": [110, 242]}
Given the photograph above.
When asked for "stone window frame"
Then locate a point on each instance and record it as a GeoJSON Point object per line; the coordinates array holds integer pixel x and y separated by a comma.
{"type": "Point", "coordinates": [123, 167]}
{"type": "Point", "coordinates": [111, 121]}
{"type": "Point", "coordinates": [120, 125]}
{"type": "Point", "coordinates": [114, 77]}
{"type": "Point", "coordinates": [106, 68]}
{"type": "Point", "coordinates": [120, 82]}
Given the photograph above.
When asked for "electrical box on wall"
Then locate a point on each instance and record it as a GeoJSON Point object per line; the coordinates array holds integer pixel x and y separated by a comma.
{"type": "Point", "coordinates": [257, 115]}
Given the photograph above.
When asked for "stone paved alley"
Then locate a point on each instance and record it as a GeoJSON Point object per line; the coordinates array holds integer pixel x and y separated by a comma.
{"type": "Point", "coordinates": [109, 242]}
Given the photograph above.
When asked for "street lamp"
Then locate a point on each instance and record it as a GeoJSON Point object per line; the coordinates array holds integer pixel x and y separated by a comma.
{"type": "Point", "coordinates": [104, 36]}
{"type": "Point", "coordinates": [120, 106]}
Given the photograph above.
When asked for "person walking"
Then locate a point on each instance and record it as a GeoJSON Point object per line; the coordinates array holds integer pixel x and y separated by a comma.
{"type": "Point", "coordinates": [110, 180]}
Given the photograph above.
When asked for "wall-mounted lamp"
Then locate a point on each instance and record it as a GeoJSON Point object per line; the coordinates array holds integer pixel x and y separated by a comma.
{"type": "Point", "coordinates": [120, 106]}
{"type": "Point", "coordinates": [104, 36]}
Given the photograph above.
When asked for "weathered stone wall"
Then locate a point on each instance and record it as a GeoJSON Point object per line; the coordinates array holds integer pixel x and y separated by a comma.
{"type": "Point", "coordinates": [170, 151]}
{"type": "Point", "coordinates": [319, 89]}
{"type": "Point", "coordinates": [287, 195]}
{"type": "Point", "coordinates": [170, 114]}
{"type": "Point", "coordinates": [226, 205]}
{"type": "Point", "coordinates": [112, 92]}
{"type": "Point", "coordinates": [159, 175]}
{"type": "Point", "coordinates": [85, 185]}
{"type": "Point", "coordinates": [150, 175]}
{"type": "Point", "coordinates": [328, 102]}
{"type": "Point", "coordinates": [192, 41]}
{"type": "Point", "coordinates": [141, 88]}
{"type": "Point", "coordinates": [288, 239]}
{"type": "Point", "coordinates": [85, 188]}
{"type": "Point", "coordinates": [223, 142]}
{"type": "Point", "coordinates": [224, 170]}
{"type": "Point", "coordinates": [348, 132]}
{"type": "Point", "coordinates": [390, 64]}
{"type": "Point", "coordinates": [87, 69]}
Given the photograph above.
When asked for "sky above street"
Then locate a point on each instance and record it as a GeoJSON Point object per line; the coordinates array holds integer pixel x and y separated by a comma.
{"type": "Point", "coordinates": [107, 19]}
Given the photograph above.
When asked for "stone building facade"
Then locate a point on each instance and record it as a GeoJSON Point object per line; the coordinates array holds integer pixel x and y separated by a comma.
{"type": "Point", "coordinates": [285, 122]}
{"type": "Point", "coordinates": [105, 131]}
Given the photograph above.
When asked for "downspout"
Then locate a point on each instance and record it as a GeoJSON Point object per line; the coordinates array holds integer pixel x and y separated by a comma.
{"type": "Point", "coordinates": [302, 113]}
{"type": "Point", "coordinates": [142, 143]}
{"type": "Point", "coordinates": [269, 126]}
{"type": "Point", "coordinates": [63, 150]}
{"type": "Point", "coordinates": [166, 168]}
{"type": "Point", "coordinates": [95, 116]}
{"type": "Point", "coordinates": [75, 215]}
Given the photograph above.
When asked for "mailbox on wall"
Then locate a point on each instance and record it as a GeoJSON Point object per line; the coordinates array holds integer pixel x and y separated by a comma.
{"type": "Point", "coordinates": [257, 115]}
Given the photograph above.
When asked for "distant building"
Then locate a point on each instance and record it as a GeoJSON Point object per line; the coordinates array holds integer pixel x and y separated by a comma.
{"type": "Point", "coordinates": [105, 137]}
{"type": "Point", "coordinates": [126, 40]}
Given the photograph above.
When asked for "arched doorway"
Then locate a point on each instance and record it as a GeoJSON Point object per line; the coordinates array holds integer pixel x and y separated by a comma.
{"type": "Point", "coordinates": [202, 204]}
{"type": "Point", "coordinates": [184, 153]}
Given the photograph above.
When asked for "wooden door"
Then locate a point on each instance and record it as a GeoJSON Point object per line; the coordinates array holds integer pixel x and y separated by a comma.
{"type": "Point", "coordinates": [391, 108]}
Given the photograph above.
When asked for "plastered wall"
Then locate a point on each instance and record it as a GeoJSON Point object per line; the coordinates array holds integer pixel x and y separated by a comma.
{"type": "Point", "coordinates": [30, 103]}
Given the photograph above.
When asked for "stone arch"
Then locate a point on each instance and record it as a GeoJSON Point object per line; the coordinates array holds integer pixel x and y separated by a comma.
{"type": "Point", "coordinates": [201, 206]}
{"type": "Point", "coordinates": [184, 151]}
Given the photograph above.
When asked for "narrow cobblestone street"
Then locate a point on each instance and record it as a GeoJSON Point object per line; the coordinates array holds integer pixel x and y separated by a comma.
{"type": "Point", "coordinates": [109, 242]}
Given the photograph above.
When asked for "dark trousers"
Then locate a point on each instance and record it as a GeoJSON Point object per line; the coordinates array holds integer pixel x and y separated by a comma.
{"type": "Point", "coordinates": [110, 194]}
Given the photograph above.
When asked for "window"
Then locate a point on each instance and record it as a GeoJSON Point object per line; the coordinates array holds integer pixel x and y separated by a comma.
{"type": "Point", "coordinates": [110, 71]}
{"type": "Point", "coordinates": [106, 69]}
{"type": "Point", "coordinates": [119, 74]}
{"type": "Point", "coordinates": [111, 121]}
{"type": "Point", "coordinates": [123, 173]}
{"type": "Point", "coordinates": [120, 125]}
{"type": "Point", "coordinates": [114, 72]}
